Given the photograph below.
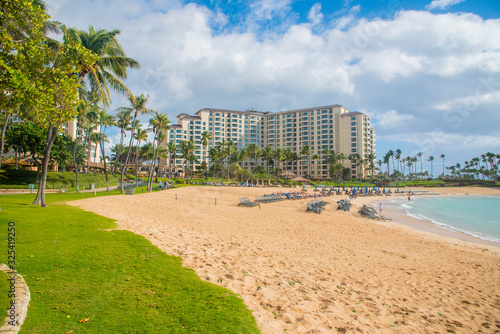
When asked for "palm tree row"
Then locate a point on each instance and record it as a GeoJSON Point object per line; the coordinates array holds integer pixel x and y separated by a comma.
{"type": "Point", "coordinates": [224, 156]}
{"type": "Point", "coordinates": [483, 167]}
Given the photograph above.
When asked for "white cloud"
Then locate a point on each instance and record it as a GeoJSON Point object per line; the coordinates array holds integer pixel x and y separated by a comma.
{"type": "Point", "coordinates": [442, 4]}
{"type": "Point", "coordinates": [315, 16]}
{"type": "Point", "coordinates": [392, 119]}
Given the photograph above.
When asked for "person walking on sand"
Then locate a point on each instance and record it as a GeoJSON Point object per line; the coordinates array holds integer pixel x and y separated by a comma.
{"type": "Point", "coordinates": [380, 209]}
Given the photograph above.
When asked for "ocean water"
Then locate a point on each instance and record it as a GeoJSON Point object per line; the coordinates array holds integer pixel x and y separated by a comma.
{"type": "Point", "coordinates": [478, 216]}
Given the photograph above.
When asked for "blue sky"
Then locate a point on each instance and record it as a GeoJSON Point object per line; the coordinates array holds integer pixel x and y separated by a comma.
{"type": "Point", "coordinates": [427, 72]}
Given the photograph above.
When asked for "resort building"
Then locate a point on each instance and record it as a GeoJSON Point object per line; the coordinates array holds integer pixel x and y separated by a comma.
{"type": "Point", "coordinates": [332, 127]}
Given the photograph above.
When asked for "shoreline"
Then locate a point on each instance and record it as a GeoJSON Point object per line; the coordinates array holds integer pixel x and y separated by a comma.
{"type": "Point", "coordinates": [427, 227]}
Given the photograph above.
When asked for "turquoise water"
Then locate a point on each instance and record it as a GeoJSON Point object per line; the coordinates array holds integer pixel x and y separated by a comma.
{"type": "Point", "coordinates": [478, 216]}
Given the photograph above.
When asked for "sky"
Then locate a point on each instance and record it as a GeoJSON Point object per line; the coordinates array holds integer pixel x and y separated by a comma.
{"type": "Point", "coordinates": [426, 72]}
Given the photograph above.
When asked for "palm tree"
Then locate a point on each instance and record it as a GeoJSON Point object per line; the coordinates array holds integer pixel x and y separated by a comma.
{"type": "Point", "coordinates": [111, 65]}
{"type": "Point", "coordinates": [397, 155]}
{"type": "Point", "coordinates": [187, 149]}
{"type": "Point", "coordinates": [306, 152]}
{"type": "Point", "coordinates": [287, 152]}
{"type": "Point", "coordinates": [138, 106]}
{"type": "Point", "coordinates": [253, 151]}
{"type": "Point", "coordinates": [419, 155]}
{"type": "Point", "coordinates": [123, 122]}
{"type": "Point", "coordinates": [267, 154]}
{"type": "Point", "coordinates": [105, 120]}
{"type": "Point", "coordinates": [431, 159]}
{"type": "Point", "coordinates": [159, 122]}
{"type": "Point", "coordinates": [279, 157]}
{"type": "Point", "coordinates": [230, 147]}
{"type": "Point", "coordinates": [355, 158]}
{"type": "Point", "coordinates": [242, 155]}
{"type": "Point", "coordinates": [442, 156]}
{"type": "Point", "coordinates": [314, 158]}
{"type": "Point", "coordinates": [139, 136]}
{"type": "Point", "coordinates": [172, 149]}
{"type": "Point", "coordinates": [205, 138]}
{"type": "Point", "coordinates": [215, 155]}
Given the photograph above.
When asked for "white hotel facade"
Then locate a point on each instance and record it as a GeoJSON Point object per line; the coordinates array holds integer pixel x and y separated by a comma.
{"type": "Point", "coordinates": [332, 127]}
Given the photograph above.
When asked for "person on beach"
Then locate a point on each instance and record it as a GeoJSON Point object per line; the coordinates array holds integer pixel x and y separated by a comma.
{"type": "Point", "coordinates": [380, 209]}
{"type": "Point", "coordinates": [408, 197]}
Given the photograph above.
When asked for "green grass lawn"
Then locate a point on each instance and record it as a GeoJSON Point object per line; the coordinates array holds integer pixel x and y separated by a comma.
{"type": "Point", "coordinates": [4, 294]}
{"type": "Point", "coordinates": [20, 179]}
{"type": "Point", "coordinates": [77, 269]}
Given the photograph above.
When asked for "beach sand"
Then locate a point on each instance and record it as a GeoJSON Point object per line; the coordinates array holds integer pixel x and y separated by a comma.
{"type": "Point", "coordinates": [320, 273]}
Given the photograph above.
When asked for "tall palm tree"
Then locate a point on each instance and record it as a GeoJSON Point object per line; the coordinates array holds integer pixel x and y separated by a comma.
{"type": "Point", "coordinates": [230, 148]}
{"type": "Point", "coordinates": [288, 156]}
{"type": "Point", "coordinates": [253, 151]}
{"type": "Point", "coordinates": [419, 155]}
{"type": "Point", "coordinates": [267, 153]}
{"type": "Point", "coordinates": [105, 120]}
{"type": "Point", "coordinates": [159, 122]}
{"type": "Point", "coordinates": [442, 156]}
{"type": "Point", "coordinates": [139, 136]}
{"type": "Point", "coordinates": [242, 155]}
{"type": "Point", "coordinates": [431, 159]}
{"type": "Point", "coordinates": [279, 158]}
{"type": "Point", "coordinates": [397, 155]}
{"type": "Point", "coordinates": [138, 106]}
{"type": "Point", "coordinates": [306, 152]}
{"type": "Point", "coordinates": [187, 149]}
{"type": "Point", "coordinates": [205, 139]}
{"type": "Point", "coordinates": [215, 155]}
{"type": "Point", "coordinates": [123, 121]}
{"type": "Point", "coordinates": [315, 158]}
{"type": "Point", "coordinates": [172, 150]}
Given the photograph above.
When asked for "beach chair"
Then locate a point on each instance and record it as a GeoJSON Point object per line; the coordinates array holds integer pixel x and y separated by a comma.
{"type": "Point", "coordinates": [245, 201]}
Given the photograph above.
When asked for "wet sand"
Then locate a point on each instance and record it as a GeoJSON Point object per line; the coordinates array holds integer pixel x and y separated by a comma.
{"type": "Point", "coordinates": [333, 272]}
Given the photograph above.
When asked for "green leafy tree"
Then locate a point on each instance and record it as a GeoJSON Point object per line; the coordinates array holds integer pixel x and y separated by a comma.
{"type": "Point", "coordinates": [37, 77]}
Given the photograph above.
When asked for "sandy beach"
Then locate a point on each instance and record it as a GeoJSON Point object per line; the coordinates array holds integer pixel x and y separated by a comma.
{"type": "Point", "coordinates": [320, 273]}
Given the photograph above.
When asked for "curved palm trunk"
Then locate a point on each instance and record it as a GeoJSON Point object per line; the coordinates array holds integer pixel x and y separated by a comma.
{"type": "Point", "coordinates": [137, 163]}
{"type": "Point", "coordinates": [128, 152]}
{"type": "Point", "coordinates": [105, 168]}
{"type": "Point", "coordinates": [75, 166]}
{"type": "Point", "coordinates": [151, 169]}
{"type": "Point", "coordinates": [40, 196]}
{"type": "Point", "coordinates": [119, 153]}
{"type": "Point", "coordinates": [2, 140]}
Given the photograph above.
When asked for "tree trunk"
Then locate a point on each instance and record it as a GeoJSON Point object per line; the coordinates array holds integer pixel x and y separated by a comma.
{"type": "Point", "coordinates": [40, 196]}
{"type": "Point", "coordinates": [7, 119]}
{"type": "Point", "coordinates": [128, 152]}
{"type": "Point", "coordinates": [137, 163]}
{"type": "Point", "coordinates": [151, 169]}
{"type": "Point", "coordinates": [118, 154]}
{"type": "Point", "coordinates": [75, 165]}
{"type": "Point", "coordinates": [105, 168]}
{"type": "Point", "coordinates": [89, 150]}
